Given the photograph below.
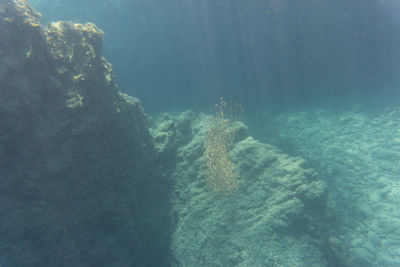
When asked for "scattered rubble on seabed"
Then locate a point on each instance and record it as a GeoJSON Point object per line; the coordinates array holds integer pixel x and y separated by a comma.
{"type": "Point", "coordinates": [357, 152]}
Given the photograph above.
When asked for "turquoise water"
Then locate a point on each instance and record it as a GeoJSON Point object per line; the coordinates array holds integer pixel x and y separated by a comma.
{"type": "Point", "coordinates": [312, 159]}
{"type": "Point", "coordinates": [186, 54]}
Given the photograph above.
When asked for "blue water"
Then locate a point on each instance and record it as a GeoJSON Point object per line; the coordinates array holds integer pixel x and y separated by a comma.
{"type": "Point", "coordinates": [318, 79]}
{"type": "Point", "coordinates": [184, 54]}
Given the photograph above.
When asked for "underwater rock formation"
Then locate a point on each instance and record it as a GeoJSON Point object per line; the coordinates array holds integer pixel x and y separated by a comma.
{"type": "Point", "coordinates": [278, 216]}
{"type": "Point", "coordinates": [357, 149]}
{"type": "Point", "coordinates": [77, 186]}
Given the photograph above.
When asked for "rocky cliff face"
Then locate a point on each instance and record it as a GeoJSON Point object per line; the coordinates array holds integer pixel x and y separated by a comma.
{"type": "Point", "coordinates": [76, 181]}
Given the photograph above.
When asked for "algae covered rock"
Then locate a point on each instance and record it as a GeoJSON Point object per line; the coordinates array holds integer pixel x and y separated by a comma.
{"type": "Point", "coordinates": [77, 184]}
{"type": "Point", "coordinates": [272, 219]}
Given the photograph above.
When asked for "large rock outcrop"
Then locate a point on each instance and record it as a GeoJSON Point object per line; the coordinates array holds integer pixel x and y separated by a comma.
{"type": "Point", "coordinates": [278, 216]}
{"type": "Point", "coordinates": [77, 183]}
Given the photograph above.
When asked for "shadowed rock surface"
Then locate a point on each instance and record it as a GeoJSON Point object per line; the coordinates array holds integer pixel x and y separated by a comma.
{"type": "Point", "coordinates": [77, 186]}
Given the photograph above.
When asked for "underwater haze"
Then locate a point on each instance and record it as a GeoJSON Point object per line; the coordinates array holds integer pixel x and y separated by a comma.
{"type": "Point", "coordinates": [185, 53]}
{"type": "Point", "coordinates": [200, 133]}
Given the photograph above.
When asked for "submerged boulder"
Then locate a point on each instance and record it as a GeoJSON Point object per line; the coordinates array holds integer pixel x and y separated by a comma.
{"type": "Point", "coordinates": [77, 185]}
{"type": "Point", "coordinates": [277, 216]}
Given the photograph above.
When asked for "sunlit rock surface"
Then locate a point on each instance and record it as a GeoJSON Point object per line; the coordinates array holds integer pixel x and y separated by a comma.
{"type": "Point", "coordinates": [78, 185]}
{"type": "Point", "coordinates": [278, 216]}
